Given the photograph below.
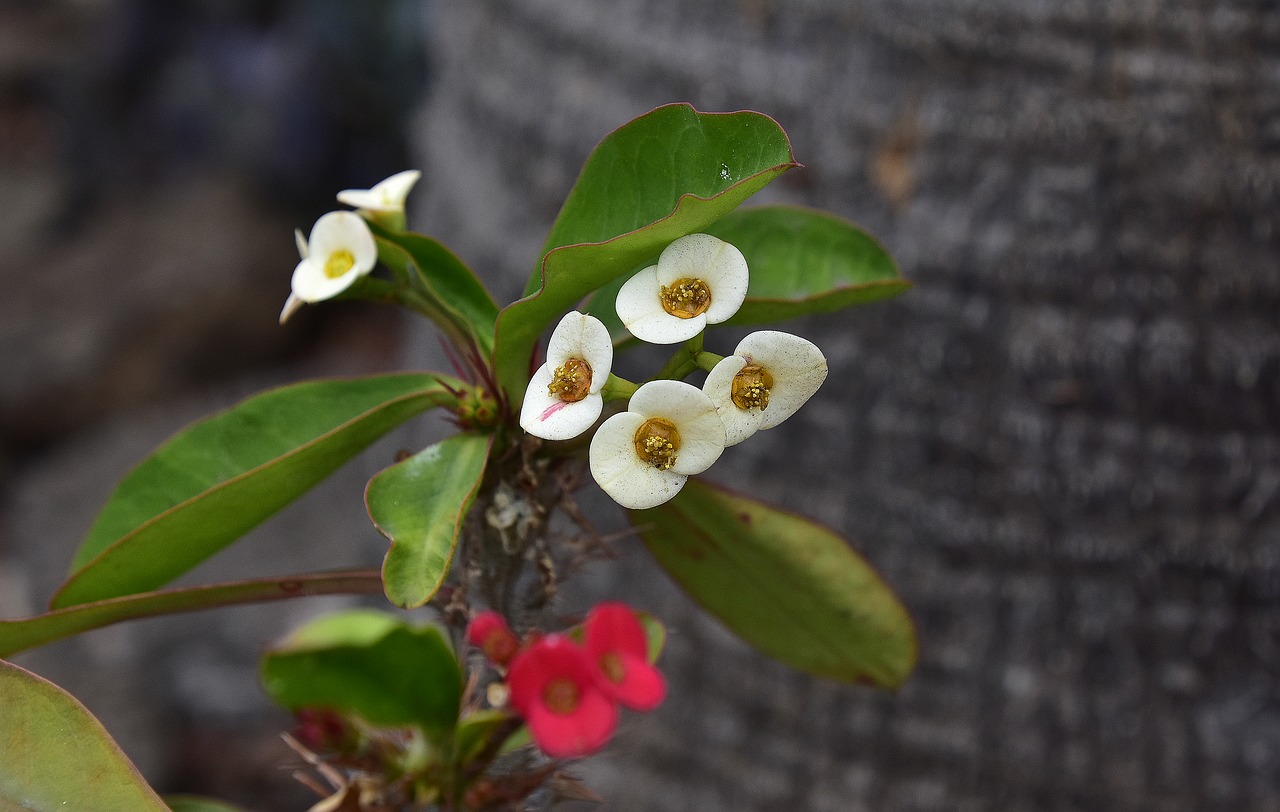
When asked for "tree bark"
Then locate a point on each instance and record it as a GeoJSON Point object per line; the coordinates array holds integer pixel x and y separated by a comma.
{"type": "Point", "coordinates": [1063, 446]}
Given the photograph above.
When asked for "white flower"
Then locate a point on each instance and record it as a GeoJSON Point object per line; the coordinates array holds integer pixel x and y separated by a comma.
{"type": "Point", "coordinates": [563, 399]}
{"type": "Point", "coordinates": [340, 251]}
{"type": "Point", "coordinates": [643, 456]}
{"type": "Point", "coordinates": [293, 303]}
{"type": "Point", "coordinates": [699, 280]}
{"type": "Point", "coordinates": [769, 377]}
{"type": "Point", "coordinates": [385, 196]}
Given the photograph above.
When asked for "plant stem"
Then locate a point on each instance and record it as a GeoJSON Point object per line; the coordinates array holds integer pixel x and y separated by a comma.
{"type": "Point", "coordinates": [683, 361]}
{"type": "Point", "coordinates": [707, 360]}
{"type": "Point", "coordinates": [618, 388]}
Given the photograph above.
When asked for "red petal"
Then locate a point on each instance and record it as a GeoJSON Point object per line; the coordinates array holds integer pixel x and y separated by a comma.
{"type": "Point", "coordinates": [490, 633]}
{"type": "Point", "coordinates": [552, 657]}
{"type": "Point", "coordinates": [614, 627]}
{"type": "Point", "coordinates": [580, 733]}
{"type": "Point", "coordinates": [642, 688]}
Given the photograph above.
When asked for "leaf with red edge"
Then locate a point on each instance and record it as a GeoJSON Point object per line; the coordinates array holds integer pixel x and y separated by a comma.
{"type": "Point", "coordinates": [55, 756]}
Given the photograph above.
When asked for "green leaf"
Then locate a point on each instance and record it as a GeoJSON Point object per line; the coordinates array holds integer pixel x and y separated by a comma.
{"type": "Point", "coordinates": [453, 286]}
{"type": "Point", "coordinates": [18, 635]}
{"type": "Point", "coordinates": [789, 587]}
{"type": "Point", "coordinates": [804, 261]}
{"type": "Point", "coordinates": [655, 635]}
{"type": "Point", "coordinates": [56, 756]}
{"type": "Point", "coordinates": [475, 732]}
{"type": "Point", "coordinates": [220, 478]}
{"type": "Point", "coordinates": [192, 803]}
{"type": "Point", "coordinates": [668, 173]}
{"type": "Point", "coordinates": [419, 504]}
{"type": "Point", "coordinates": [368, 664]}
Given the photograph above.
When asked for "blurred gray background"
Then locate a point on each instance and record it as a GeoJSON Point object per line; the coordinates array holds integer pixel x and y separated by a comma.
{"type": "Point", "coordinates": [1062, 447]}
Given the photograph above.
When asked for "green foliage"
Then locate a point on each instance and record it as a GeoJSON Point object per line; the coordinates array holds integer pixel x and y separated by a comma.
{"type": "Point", "coordinates": [56, 756]}
{"type": "Point", "coordinates": [476, 731]}
{"type": "Point", "coordinates": [804, 261]}
{"type": "Point", "coordinates": [789, 587]}
{"type": "Point", "coordinates": [371, 665]}
{"type": "Point", "coordinates": [668, 173]}
{"type": "Point", "coordinates": [18, 635]}
{"type": "Point", "coordinates": [419, 504]}
{"type": "Point", "coordinates": [218, 479]}
{"type": "Point", "coordinates": [452, 286]}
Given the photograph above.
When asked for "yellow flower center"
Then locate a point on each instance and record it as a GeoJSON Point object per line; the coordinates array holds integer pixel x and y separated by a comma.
{"type": "Point", "coordinates": [338, 263]}
{"type": "Point", "coordinates": [751, 387]}
{"type": "Point", "coordinates": [657, 442]}
{"type": "Point", "coordinates": [685, 298]}
{"type": "Point", "coordinates": [571, 382]}
{"type": "Point", "coordinates": [611, 665]}
{"type": "Point", "coordinates": [561, 695]}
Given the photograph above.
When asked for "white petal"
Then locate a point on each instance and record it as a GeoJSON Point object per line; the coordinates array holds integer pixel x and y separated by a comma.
{"type": "Point", "coordinates": [291, 306]}
{"type": "Point", "coordinates": [640, 309]}
{"type": "Point", "coordinates": [582, 336]}
{"type": "Point", "coordinates": [343, 231]}
{"type": "Point", "coordinates": [619, 471]}
{"type": "Point", "coordinates": [547, 416]}
{"type": "Point", "coordinates": [301, 241]}
{"type": "Point", "coordinates": [694, 416]}
{"type": "Point", "coordinates": [739, 424]}
{"type": "Point", "coordinates": [714, 261]}
{"type": "Point", "coordinates": [797, 365]}
{"type": "Point", "coordinates": [311, 284]}
{"type": "Point", "coordinates": [388, 195]}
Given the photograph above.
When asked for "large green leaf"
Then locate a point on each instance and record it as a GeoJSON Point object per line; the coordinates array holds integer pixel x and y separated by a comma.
{"type": "Point", "coordinates": [804, 261]}
{"type": "Point", "coordinates": [55, 756]}
{"type": "Point", "coordinates": [668, 173]}
{"type": "Point", "coordinates": [18, 635]}
{"type": "Point", "coordinates": [216, 480]}
{"type": "Point", "coordinates": [371, 665]}
{"type": "Point", "coordinates": [419, 504]}
{"type": "Point", "coordinates": [791, 588]}
{"type": "Point", "coordinates": [451, 284]}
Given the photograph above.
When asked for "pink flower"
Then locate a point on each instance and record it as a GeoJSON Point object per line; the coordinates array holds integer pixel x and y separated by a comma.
{"type": "Point", "coordinates": [490, 633]}
{"type": "Point", "coordinates": [618, 652]}
{"type": "Point", "coordinates": [553, 687]}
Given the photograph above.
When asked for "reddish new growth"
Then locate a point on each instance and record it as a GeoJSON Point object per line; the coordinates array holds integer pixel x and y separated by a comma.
{"type": "Point", "coordinates": [490, 633]}
{"type": "Point", "coordinates": [554, 688]}
{"type": "Point", "coordinates": [616, 645]}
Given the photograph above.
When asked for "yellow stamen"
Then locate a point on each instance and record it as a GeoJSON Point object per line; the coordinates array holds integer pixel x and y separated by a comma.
{"type": "Point", "coordinates": [751, 387]}
{"type": "Point", "coordinates": [685, 298]}
{"type": "Point", "coordinates": [571, 382]}
{"type": "Point", "coordinates": [338, 263]}
{"type": "Point", "coordinates": [561, 695]}
{"type": "Point", "coordinates": [657, 442]}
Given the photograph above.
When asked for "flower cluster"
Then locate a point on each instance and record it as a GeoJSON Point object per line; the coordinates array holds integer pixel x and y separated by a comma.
{"type": "Point", "coordinates": [671, 430]}
{"type": "Point", "coordinates": [341, 248]}
{"type": "Point", "coordinates": [568, 692]}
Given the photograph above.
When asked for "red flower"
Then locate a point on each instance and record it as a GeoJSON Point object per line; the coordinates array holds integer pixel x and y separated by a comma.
{"type": "Point", "coordinates": [619, 655]}
{"type": "Point", "coordinates": [490, 633]}
{"type": "Point", "coordinates": [553, 688]}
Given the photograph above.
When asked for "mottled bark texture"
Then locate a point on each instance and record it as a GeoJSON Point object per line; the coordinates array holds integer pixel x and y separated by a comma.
{"type": "Point", "coordinates": [1062, 446]}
